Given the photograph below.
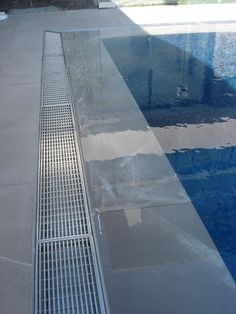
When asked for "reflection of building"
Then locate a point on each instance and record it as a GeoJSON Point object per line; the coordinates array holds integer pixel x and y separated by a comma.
{"type": "Point", "coordinates": [156, 70]}
{"type": "Point", "coordinates": [224, 70]}
{"type": "Point", "coordinates": [224, 59]}
{"type": "Point", "coordinates": [155, 67]}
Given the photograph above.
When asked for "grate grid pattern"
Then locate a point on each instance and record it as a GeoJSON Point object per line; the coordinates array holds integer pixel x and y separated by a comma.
{"type": "Point", "coordinates": [68, 282]}
{"type": "Point", "coordinates": [67, 276]}
{"type": "Point", "coordinates": [61, 186]}
{"type": "Point", "coordinates": [55, 85]}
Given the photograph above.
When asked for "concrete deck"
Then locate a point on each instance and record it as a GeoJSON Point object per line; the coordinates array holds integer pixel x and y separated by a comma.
{"type": "Point", "coordinates": [21, 41]}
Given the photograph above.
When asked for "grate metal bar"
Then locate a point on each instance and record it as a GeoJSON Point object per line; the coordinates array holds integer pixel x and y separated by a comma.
{"type": "Point", "coordinates": [67, 276]}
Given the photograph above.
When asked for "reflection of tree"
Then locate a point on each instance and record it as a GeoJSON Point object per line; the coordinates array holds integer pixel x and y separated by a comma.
{"type": "Point", "coordinates": [66, 4]}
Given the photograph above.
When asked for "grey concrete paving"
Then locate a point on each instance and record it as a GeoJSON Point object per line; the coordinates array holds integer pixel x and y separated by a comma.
{"type": "Point", "coordinates": [18, 132]}
{"type": "Point", "coordinates": [20, 68]}
{"type": "Point", "coordinates": [15, 288]}
{"type": "Point", "coordinates": [17, 203]}
{"type": "Point", "coordinates": [16, 226]}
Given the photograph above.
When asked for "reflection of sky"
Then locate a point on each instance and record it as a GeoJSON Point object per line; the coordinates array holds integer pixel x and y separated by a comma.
{"type": "Point", "coordinates": [196, 130]}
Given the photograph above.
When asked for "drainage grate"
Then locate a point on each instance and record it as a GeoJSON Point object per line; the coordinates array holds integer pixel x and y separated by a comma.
{"type": "Point", "coordinates": [55, 85]}
{"type": "Point", "coordinates": [56, 118]}
{"type": "Point", "coordinates": [52, 44]}
{"type": "Point", "coordinates": [62, 201]}
{"type": "Point", "coordinates": [67, 276]}
{"type": "Point", "coordinates": [68, 281]}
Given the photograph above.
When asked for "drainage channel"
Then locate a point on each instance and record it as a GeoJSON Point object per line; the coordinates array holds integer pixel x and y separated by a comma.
{"type": "Point", "coordinates": [67, 276]}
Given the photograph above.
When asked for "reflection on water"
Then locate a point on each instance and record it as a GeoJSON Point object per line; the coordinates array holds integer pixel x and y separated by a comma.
{"type": "Point", "coordinates": [185, 86]}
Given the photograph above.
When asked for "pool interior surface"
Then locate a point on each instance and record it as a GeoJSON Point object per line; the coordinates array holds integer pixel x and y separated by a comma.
{"type": "Point", "coordinates": [185, 86]}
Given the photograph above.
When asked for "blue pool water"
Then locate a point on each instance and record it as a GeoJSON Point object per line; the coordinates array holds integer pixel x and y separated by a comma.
{"type": "Point", "coordinates": [185, 85]}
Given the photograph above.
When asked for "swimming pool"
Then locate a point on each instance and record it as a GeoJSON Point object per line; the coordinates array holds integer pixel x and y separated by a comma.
{"type": "Point", "coordinates": [185, 86]}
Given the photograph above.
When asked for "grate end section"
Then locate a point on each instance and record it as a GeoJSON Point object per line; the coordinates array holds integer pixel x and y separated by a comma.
{"type": "Point", "coordinates": [67, 277]}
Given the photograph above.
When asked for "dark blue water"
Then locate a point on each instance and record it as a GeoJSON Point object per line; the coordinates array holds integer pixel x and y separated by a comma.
{"type": "Point", "coordinates": [188, 82]}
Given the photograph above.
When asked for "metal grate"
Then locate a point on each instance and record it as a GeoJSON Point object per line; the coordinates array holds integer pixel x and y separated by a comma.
{"type": "Point", "coordinates": [68, 283]}
{"type": "Point", "coordinates": [62, 192]}
{"type": "Point", "coordinates": [55, 85]}
{"type": "Point", "coordinates": [67, 276]}
{"type": "Point", "coordinates": [52, 44]}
